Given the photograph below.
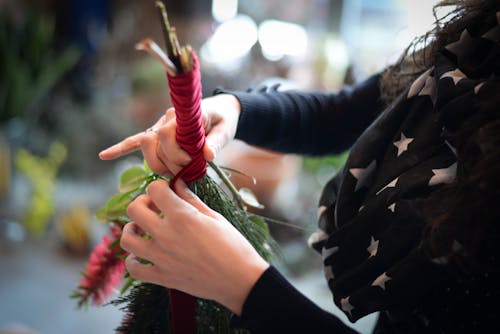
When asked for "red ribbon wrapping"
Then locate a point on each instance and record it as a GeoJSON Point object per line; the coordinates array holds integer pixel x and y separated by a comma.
{"type": "Point", "coordinates": [185, 93]}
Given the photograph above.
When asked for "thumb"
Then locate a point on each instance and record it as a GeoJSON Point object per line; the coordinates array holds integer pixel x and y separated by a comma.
{"type": "Point", "coordinates": [209, 151]}
{"type": "Point", "coordinates": [216, 139]}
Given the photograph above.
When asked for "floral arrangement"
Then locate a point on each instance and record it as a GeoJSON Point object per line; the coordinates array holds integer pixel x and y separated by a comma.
{"type": "Point", "coordinates": [148, 307]}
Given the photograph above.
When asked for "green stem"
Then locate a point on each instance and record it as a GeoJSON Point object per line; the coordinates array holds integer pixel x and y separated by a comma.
{"type": "Point", "coordinates": [236, 195]}
{"type": "Point", "coordinates": [280, 222]}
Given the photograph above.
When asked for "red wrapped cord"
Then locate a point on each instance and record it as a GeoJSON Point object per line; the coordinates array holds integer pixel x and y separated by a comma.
{"type": "Point", "coordinates": [185, 93]}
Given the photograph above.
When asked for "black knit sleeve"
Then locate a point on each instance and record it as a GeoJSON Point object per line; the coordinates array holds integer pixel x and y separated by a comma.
{"type": "Point", "coordinates": [310, 123]}
{"type": "Point", "coordinates": [275, 306]}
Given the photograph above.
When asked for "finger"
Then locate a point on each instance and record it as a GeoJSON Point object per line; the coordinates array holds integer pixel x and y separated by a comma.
{"type": "Point", "coordinates": [186, 194]}
{"type": "Point", "coordinates": [142, 211]}
{"type": "Point", "coordinates": [132, 241]}
{"type": "Point", "coordinates": [170, 114]}
{"type": "Point", "coordinates": [126, 146]}
{"type": "Point", "coordinates": [209, 152]}
{"type": "Point", "coordinates": [143, 272]}
{"type": "Point", "coordinates": [149, 145]}
{"type": "Point", "coordinates": [165, 198]}
{"type": "Point", "coordinates": [216, 139]}
{"type": "Point", "coordinates": [169, 150]}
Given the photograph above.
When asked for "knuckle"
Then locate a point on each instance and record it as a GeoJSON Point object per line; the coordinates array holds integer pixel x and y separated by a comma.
{"type": "Point", "coordinates": [132, 208]}
{"type": "Point", "coordinates": [157, 169]}
{"type": "Point", "coordinates": [125, 241]}
{"type": "Point", "coordinates": [164, 131]}
{"type": "Point", "coordinates": [146, 140]}
{"type": "Point", "coordinates": [133, 266]}
{"type": "Point", "coordinates": [153, 186]}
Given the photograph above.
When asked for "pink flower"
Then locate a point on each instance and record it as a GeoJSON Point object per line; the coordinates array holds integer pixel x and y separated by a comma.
{"type": "Point", "coordinates": [104, 271]}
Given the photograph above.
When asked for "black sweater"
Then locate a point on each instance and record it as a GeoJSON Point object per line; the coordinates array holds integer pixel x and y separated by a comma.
{"type": "Point", "coordinates": [405, 167]}
{"type": "Point", "coordinates": [311, 123]}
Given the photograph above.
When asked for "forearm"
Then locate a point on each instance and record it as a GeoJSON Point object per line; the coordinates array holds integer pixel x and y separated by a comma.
{"type": "Point", "coordinates": [275, 306]}
{"type": "Point", "coordinates": [312, 123]}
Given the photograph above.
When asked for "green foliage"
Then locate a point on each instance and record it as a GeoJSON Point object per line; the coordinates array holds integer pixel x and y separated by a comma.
{"type": "Point", "coordinates": [115, 208]}
{"type": "Point", "coordinates": [314, 165]}
{"type": "Point", "coordinates": [133, 182]}
{"type": "Point", "coordinates": [41, 172]}
{"type": "Point", "coordinates": [147, 310]}
{"type": "Point", "coordinates": [132, 179]}
{"type": "Point", "coordinates": [253, 229]}
{"type": "Point", "coordinates": [29, 64]}
{"type": "Point", "coordinates": [147, 305]}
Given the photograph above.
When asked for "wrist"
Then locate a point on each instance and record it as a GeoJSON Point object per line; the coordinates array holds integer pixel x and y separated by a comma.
{"type": "Point", "coordinates": [232, 101]}
{"type": "Point", "coordinates": [246, 281]}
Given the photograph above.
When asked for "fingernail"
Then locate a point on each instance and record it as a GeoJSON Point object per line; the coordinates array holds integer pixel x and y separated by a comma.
{"type": "Point", "coordinates": [213, 149]}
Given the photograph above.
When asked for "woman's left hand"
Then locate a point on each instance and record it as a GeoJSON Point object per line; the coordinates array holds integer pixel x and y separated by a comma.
{"type": "Point", "coordinates": [191, 247]}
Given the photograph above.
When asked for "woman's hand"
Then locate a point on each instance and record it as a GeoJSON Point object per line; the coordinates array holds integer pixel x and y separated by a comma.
{"type": "Point", "coordinates": [193, 248]}
{"type": "Point", "coordinates": [160, 149]}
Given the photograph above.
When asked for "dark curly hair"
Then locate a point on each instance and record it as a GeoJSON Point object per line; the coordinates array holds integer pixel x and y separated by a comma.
{"type": "Point", "coordinates": [419, 55]}
{"type": "Point", "coordinates": [472, 213]}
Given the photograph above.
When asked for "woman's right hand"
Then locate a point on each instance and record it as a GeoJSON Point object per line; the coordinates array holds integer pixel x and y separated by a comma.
{"type": "Point", "coordinates": [158, 144]}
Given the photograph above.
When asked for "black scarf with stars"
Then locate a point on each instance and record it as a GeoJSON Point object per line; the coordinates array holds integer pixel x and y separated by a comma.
{"type": "Point", "coordinates": [373, 216]}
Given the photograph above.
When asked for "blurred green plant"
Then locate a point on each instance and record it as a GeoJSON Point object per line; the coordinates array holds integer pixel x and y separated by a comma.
{"type": "Point", "coordinates": [30, 66]}
{"type": "Point", "coordinates": [313, 165]}
{"type": "Point", "coordinates": [42, 173]}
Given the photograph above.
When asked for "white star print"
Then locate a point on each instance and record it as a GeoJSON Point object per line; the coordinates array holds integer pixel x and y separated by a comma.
{"type": "Point", "coordinates": [362, 175]}
{"type": "Point", "coordinates": [478, 87]}
{"type": "Point", "coordinates": [429, 89]}
{"type": "Point", "coordinates": [392, 184]}
{"type": "Point", "coordinates": [442, 260]}
{"type": "Point", "coordinates": [381, 280]}
{"type": "Point", "coordinates": [373, 248]}
{"type": "Point", "coordinates": [327, 252]}
{"type": "Point", "coordinates": [402, 144]}
{"type": "Point", "coordinates": [443, 175]}
{"type": "Point", "coordinates": [419, 83]}
{"type": "Point", "coordinates": [346, 305]}
{"type": "Point", "coordinates": [317, 236]}
{"type": "Point", "coordinates": [456, 75]}
{"type": "Point", "coordinates": [392, 207]}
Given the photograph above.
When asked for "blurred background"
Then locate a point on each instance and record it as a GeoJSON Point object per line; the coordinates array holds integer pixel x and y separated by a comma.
{"type": "Point", "coordinates": [71, 84]}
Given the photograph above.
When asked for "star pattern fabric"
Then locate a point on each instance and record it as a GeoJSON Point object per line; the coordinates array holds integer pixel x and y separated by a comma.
{"type": "Point", "coordinates": [402, 144]}
{"type": "Point", "coordinates": [362, 175]}
{"type": "Point", "coordinates": [375, 242]}
{"type": "Point", "coordinates": [373, 248]}
{"type": "Point", "coordinates": [381, 280]}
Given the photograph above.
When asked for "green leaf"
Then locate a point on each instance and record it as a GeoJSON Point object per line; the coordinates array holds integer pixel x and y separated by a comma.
{"type": "Point", "coordinates": [261, 222]}
{"type": "Point", "coordinates": [132, 179]}
{"type": "Point", "coordinates": [75, 295]}
{"type": "Point", "coordinates": [128, 283]}
{"type": "Point", "coordinates": [116, 207]}
{"type": "Point", "coordinates": [147, 169]}
{"type": "Point", "coordinates": [249, 198]}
